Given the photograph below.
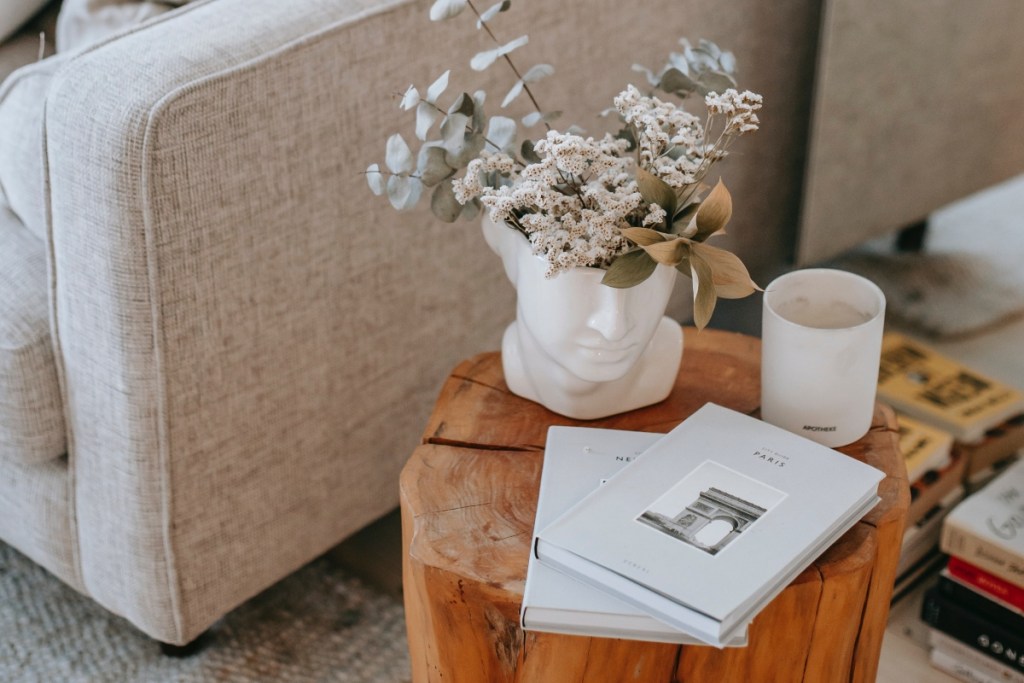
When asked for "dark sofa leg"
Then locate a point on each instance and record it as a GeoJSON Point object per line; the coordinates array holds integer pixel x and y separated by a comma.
{"type": "Point", "coordinates": [912, 238]}
{"type": "Point", "coordinates": [188, 649]}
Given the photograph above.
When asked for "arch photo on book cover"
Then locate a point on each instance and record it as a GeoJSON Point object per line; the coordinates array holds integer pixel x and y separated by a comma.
{"type": "Point", "coordinates": [711, 507]}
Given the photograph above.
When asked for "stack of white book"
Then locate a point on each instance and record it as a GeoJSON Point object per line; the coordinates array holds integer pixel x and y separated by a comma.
{"type": "Point", "coordinates": [682, 537]}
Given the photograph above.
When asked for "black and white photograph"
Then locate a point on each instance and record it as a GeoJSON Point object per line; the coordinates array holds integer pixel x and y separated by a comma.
{"type": "Point", "coordinates": [711, 507]}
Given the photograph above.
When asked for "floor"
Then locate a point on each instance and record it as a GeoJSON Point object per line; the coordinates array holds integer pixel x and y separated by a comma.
{"type": "Point", "coordinates": [904, 654]}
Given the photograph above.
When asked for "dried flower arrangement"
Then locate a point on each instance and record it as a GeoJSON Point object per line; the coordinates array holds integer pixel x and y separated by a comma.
{"type": "Point", "coordinates": [624, 202]}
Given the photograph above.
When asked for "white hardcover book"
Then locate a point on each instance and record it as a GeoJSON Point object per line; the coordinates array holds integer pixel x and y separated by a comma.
{"type": "Point", "coordinates": [712, 522]}
{"type": "Point", "coordinates": [577, 460]}
{"type": "Point", "coordinates": [987, 528]}
{"type": "Point", "coordinates": [958, 669]}
{"type": "Point", "coordinates": [978, 661]}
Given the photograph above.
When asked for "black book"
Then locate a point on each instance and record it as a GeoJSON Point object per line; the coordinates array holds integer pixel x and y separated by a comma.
{"type": "Point", "coordinates": [999, 643]}
{"type": "Point", "coordinates": [980, 605]}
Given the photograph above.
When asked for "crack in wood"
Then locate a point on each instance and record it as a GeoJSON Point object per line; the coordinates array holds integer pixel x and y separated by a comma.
{"type": "Point", "coordinates": [471, 380]}
{"type": "Point", "coordinates": [456, 443]}
{"type": "Point", "coordinates": [453, 509]}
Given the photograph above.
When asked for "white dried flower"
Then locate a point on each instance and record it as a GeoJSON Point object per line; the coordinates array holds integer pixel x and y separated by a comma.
{"type": "Point", "coordinates": [737, 107]}
{"type": "Point", "coordinates": [670, 139]}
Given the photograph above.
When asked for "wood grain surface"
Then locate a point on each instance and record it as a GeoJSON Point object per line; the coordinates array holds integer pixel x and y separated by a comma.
{"type": "Point", "coordinates": [468, 498]}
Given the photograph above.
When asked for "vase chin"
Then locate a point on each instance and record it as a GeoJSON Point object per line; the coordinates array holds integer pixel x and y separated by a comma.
{"type": "Point", "coordinates": [580, 348]}
{"type": "Point", "coordinates": [545, 380]}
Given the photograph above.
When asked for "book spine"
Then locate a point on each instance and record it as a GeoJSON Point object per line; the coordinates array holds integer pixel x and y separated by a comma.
{"type": "Point", "coordinates": [978, 661]}
{"type": "Point", "coordinates": [962, 671]}
{"type": "Point", "coordinates": [982, 580]}
{"type": "Point", "coordinates": [999, 644]}
{"type": "Point", "coordinates": [982, 553]}
{"type": "Point", "coordinates": [981, 606]}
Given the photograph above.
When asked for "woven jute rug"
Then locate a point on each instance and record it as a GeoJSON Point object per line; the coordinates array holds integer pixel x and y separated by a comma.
{"type": "Point", "coordinates": [968, 279]}
{"type": "Point", "coordinates": [319, 624]}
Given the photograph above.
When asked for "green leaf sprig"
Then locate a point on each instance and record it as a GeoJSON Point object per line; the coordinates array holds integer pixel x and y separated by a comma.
{"type": "Point", "coordinates": [681, 244]}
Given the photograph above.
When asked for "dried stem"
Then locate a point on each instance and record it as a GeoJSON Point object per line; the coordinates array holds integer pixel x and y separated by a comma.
{"type": "Point", "coordinates": [508, 60]}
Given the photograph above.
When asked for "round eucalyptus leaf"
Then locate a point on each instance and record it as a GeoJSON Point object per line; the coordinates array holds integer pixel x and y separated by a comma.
{"type": "Point", "coordinates": [501, 133]}
{"type": "Point", "coordinates": [444, 204]}
{"type": "Point", "coordinates": [375, 179]}
{"type": "Point", "coordinates": [651, 78]}
{"type": "Point", "coordinates": [446, 9]}
{"type": "Point", "coordinates": [513, 93]}
{"type": "Point", "coordinates": [410, 98]}
{"type": "Point", "coordinates": [532, 119]}
{"type": "Point", "coordinates": [403, 191]}
{"type": "Point", "coordinates": [438, 87]}
{"type": "Point", "coordinates": [716, 81]}
{"type": "Point", "coordinates": [538, 72]}
{"type": "Point", "coordinates": [426, 114]}
{"type": "Point", "coordinates": [398, 156]}
{"type": "Point", "coordinates": [482, 60]}
{"type": "Point", "coordinates": [529, 155]}
{"type": "Point", "coordinates": [471, 210]}
{"type": "Point", "coordinates": [432, 168]}
{"type": "Point", "coordinates": [463, 105]}
{"type": "Point", "coordinates": [492, 12]}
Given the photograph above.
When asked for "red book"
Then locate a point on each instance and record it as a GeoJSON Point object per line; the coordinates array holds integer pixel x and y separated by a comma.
{"type": "Point", "coordinates": [982, 580]}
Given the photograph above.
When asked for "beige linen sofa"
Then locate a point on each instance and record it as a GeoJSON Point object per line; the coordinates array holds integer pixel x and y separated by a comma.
{"type": "Point", "coordinates": [217, 348]}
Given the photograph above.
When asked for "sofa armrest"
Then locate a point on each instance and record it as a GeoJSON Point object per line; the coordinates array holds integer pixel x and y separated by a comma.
{"type": "Point", "coordinates": [247, 349]}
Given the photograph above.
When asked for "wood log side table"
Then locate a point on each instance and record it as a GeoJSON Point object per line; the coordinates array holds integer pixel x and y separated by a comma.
{"type": "Point", "coordinates": [468, 498]}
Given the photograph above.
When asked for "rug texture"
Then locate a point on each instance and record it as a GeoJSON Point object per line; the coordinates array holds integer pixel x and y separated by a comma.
{"type": "Point", "coordinates": [319, 624]}
{"type": "Point", "coordinates": [968, 279]}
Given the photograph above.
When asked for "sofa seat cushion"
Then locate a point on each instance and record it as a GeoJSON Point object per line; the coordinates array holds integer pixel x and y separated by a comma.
{"type": "Point", "coordinates": [31, 413]}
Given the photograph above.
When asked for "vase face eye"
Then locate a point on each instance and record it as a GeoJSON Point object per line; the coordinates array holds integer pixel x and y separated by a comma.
{"type": "Point", "coordinates": [596, 333]}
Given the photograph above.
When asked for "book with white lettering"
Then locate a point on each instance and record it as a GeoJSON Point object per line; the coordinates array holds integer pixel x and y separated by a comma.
{"type": "Point", "coordinates": [577, 460]}
{"type": "Point", "coordinates": [963, 624]}
{"type": "Point", "coordinates": [987, 529]}
{"type": "Point", "coordinates": [963, 670]}
{"type": "Point", "coordinates": [712, 522]}
{"type": "Point", "coordinates": [980, 661]}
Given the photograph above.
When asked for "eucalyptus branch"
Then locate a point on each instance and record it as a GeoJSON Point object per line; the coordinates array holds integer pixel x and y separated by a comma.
{"type": "Point", "coordinates": [508, 60]}
{"type": "Point", "coordinates": [390, 174]}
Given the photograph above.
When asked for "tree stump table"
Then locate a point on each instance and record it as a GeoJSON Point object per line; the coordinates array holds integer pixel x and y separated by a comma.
{"type": "Point", "coordinates": [468, 497]}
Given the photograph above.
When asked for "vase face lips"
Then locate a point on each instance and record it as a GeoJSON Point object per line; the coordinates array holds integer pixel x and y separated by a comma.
{"type": "Point", "coordinates": [594, 332]}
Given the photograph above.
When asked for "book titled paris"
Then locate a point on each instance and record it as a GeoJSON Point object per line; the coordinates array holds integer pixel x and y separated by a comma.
{"type": "Point", "coordinates": [714, 520]}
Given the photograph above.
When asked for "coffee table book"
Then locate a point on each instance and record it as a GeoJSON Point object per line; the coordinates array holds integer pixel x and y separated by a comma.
{"type": "Point", "coordinates": [712, 522]}
{"type": "Point", "coordinates": [962, 623]}
{"type": "Point", "coordinates": [577, 460]}
{"type": "Point", "coordinates": [981, 603]}
{"type": "Point", "coordinates": [933, 486]}
{"type": "Point", "coordinates": [1002, 591]}
{"type": "Point", "coordinates": [924, 448]}
{"type": "Point", "coordinates": [917, 380]}
{"type": "Point", "coordinates": [987, 528]}
{"type": "Point", "coordinates": [966, 663]}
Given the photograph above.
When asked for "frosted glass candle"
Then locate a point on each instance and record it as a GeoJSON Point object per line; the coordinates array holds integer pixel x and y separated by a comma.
{"type": "Point", "coordinates": [821, 344]}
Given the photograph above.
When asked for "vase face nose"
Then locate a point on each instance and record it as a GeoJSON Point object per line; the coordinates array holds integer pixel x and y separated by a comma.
{"type": "Point", "coordinates": [595, 332]}
{"type": "Point", "coordinates": [611, 317]}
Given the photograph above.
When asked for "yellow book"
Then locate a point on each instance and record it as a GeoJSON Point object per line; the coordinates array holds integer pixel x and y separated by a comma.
{"type": "Point", "coordinates": [924, 447]}
{"type": "Point", "coordinates": [921, 382]}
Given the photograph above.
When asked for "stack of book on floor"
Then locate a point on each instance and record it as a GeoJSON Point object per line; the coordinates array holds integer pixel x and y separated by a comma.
{"type": "Point", "coordinates": [958, 428]}
{"type": "Point", "coordinates": [976, 612]}
{"type": "Point", "coordinates": [682, 537]}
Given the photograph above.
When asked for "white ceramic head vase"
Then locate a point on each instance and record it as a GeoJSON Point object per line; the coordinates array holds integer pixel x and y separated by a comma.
{"type": "Point", "coordinates": [580, 348]}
